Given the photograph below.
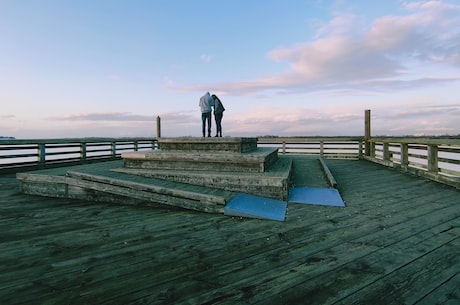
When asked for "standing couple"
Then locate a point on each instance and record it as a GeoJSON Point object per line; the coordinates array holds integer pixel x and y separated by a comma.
{"type": "Point", "coordinates": [206, 102]}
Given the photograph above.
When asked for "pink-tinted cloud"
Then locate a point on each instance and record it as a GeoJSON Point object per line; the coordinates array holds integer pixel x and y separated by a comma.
{"type": "Point", "coordinates": [107, 116]}
{"type": "Point", "coordinates": [350, 54]}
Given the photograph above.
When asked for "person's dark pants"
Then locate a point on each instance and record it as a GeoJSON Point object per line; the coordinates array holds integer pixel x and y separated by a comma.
{"type": "Point", "coordinates": [206, 116]}
{"type": "Point", "coordinates": [218, 117]}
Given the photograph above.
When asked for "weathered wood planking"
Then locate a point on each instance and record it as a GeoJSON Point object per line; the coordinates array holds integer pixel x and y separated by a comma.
{"type": "Point", "coordinates": [394, 243]}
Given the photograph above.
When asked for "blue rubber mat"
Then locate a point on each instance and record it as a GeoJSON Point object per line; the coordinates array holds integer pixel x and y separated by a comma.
{"type": "Point", "coordinates": [244, 205]}
{"type": "Point", "coordinates": [320, 196]}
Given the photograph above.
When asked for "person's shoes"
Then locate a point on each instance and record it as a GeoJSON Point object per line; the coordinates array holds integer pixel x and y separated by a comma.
{"type": "Point", "coordinates": [217, 135]}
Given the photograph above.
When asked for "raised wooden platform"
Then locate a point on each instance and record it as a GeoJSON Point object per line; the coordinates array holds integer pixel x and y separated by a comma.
{"type": "Point", "coordinates": [191, 173]}
{"type": "Point", "coordinates": [227, 144]}
{"type": "Point", "coordinates": [256, 161]}
{"type": "Point", "coordinates": [273, 183]}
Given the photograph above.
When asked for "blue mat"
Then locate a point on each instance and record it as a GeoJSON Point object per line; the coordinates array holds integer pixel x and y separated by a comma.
{"type": "Point", "coordinates": [244, 205]}
{"type": "Point", "coordinates": [320, 196]}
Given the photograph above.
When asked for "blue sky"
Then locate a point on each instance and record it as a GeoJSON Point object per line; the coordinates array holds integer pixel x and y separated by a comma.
{"type": "Point", "coordinates": [108, 68]}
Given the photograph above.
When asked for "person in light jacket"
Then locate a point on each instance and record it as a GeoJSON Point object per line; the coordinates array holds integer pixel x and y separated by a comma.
{"type": "Point", "coordinates": [218, 114]}
{"type": "Point", "coordinates": [206, 102]}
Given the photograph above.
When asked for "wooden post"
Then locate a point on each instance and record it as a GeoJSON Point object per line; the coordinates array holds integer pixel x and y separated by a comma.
{"type": "Point", "coordinates": [41, 153]}
{"type": "Point", "coordinates": [404, 155]}
{"type": "Point", "coordinates": [386, 151]}
{"type": "Point", "coordinates": [83, 151]}
{"type": "Point", "coordinates": [367, 131]}
{"type": "Point", "coordinates": [113, 148]}
{"type": "Point", "coordinates": [158, 127]}
{"type": "Point", "coordinates": [433, 158]}
{"type": "Point", "coordinates": [321, 148]}
{"type": "Point", "coordinates": [284, 147]}
{"type": "Point", "coordinates": [372, 149]}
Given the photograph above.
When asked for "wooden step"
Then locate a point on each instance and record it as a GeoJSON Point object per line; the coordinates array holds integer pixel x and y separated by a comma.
{"type": "Point", "coordinates": [274, 183]}
{"type": "Point", "coordinates": [124, 189]}
{"type": "Point", "coordinates": [210, 144]}
{"type": "Point", "coordinates": [258, 160]}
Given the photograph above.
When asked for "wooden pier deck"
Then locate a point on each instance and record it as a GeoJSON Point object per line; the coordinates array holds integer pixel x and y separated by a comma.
{"type": "Point", "coordinates": [397, 241]}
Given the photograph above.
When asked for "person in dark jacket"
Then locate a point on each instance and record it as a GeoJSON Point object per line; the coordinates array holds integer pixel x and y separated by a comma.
{"type": "Point", "coordinates": [218, 114]}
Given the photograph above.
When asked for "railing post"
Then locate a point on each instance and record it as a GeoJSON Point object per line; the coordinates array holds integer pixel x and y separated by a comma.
{"type": "Point", "coordinates": [372, 149]}
{"type": "Point", "coordinates": [404, 155]}
{"type": "Point", "coordinates": [321, 148]}
{"type": "Point", "coordinates": [41, 153]}
{"type": "Point", "coordinates": [113, 148]}
{"type": "Point", "coordinates": [83, 151]}
{"type": "Point", "coordinates": [136, 145]}
{"type": "Point", "coordinates": [360, 149]}
{"type": "Point", "coordinates": [386, 151]}
{"type": "Point", "coordinates": [284, 147]}
{"type": "Point", "coordinates": [433, 158]}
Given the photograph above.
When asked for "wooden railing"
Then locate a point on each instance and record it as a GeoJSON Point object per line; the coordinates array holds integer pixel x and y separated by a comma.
{"type": "Point", "coordinates": [326, 147]}
{"type": "Point", "coordinates": [436, 159]}
{"type": "Point", "coordinates": [18, 155]}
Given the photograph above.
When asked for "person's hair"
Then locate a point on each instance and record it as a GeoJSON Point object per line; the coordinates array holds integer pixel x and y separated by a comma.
{"type": "Point", "coordinates": [215, 96]}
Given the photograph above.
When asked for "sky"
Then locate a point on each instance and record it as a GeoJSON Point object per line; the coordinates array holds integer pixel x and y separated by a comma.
{"type": "Point", "coordinates": [109, 68]}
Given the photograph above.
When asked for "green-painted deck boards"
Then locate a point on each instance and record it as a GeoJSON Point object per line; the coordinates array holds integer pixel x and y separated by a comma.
{"type": "Point", "coordinates": [396, 242]}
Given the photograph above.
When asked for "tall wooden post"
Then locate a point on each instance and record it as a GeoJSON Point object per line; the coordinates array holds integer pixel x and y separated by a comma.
{"type": "Point", "coordinates": [367, 132]}
{"type": "Point", "coordinates": [158, 127]}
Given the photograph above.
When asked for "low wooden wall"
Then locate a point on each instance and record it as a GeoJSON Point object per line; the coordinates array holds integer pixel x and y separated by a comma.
{"type": "Point", "coordinates": [436, 159]}
{"type": "Point", "coordinates": [20, 155]}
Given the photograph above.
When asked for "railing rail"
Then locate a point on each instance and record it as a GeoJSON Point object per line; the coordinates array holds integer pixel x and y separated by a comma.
{"type": "Point", "coordinates": [326, 147]}
{"type": "Point", "coordinates": [16, 155]}
{"type": "Point", "coordinates": [436, 159]}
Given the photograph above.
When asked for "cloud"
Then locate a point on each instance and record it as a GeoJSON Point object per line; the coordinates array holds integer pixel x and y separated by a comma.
{"type": "Point", "coordinates": [389, 53]}
{"type": "Point", "coordinates": [206, 58]}
{"type": "Point", "coordinates": [108, 116]}
{"type": "Point", "coordinates": [7, 116]}
{"type": "Point", "coordinates": [114, 77]}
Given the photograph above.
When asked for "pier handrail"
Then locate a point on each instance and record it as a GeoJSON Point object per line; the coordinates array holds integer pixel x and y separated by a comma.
{"type": "Point", "coordinates": [433, 158]}
{"type": "Point", "coordinates": [20, 155]}
{"type": "Point", "coordinates": [326, 147]}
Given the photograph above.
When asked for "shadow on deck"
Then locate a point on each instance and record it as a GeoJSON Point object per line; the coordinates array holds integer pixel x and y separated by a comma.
{"type": "Point", "coordinates": [396, 242]}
